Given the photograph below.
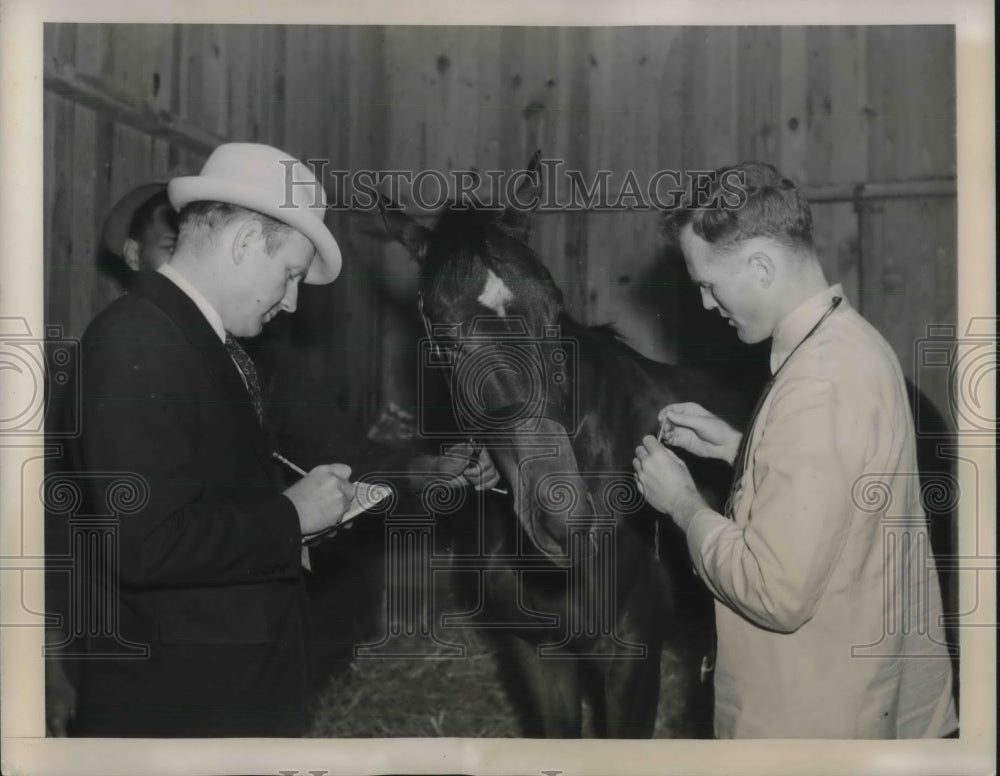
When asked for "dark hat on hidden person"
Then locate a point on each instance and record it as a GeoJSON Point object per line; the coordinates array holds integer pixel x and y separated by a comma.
{"type": "Point", "coordinates": [116, 225]}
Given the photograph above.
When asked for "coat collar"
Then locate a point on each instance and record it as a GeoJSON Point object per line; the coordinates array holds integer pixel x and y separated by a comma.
{"type": "Point", "coordinates": [203, 305]}
{"type": "Point", "coordinates": [794, 327]}
{"type": "Point", "coordinates": [180, 308]}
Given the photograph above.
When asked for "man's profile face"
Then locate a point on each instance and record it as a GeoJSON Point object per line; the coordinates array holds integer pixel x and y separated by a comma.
{"type": "Point", "coordinates": [155, 244]}
{"type": "Point", "coordinates": [269, 283]}
{"type": "Point", "coordinates": [728, 284]}
{"type": "Point", "coordinates": [158, 240]}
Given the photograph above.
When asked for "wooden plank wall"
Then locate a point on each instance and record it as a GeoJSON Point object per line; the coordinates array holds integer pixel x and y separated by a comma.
{"type": "Point", "coordinates": [828, 105]}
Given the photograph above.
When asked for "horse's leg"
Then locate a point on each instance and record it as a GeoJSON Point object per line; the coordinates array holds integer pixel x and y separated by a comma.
{"type": "Point", "coordinates": [545, 690]}
{"type": "Point", "coordinates": [692, 640]}
{"type": "Point", "coordinates": [631, 692]}
{"type": "Point", "coordinates": [629, 683]}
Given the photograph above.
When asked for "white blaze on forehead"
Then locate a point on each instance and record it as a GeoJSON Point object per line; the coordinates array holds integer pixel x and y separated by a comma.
{"type": "Point", "coordinates": [495, 295]}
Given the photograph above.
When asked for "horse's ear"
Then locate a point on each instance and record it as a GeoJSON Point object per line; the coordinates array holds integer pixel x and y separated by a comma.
{"type": "Point", "coordinates": [516, 216]}
{"type": "Point", "coordinates": [404, 228]}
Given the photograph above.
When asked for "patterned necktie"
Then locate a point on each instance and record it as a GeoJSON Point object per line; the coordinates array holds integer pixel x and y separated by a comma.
{"type": "Point", "coordinates": [742, 459]}
{"type": "Point", "coordinates": [248, 372]}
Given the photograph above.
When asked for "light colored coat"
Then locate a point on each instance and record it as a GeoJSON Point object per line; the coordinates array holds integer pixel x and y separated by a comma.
{"type": "Point", "coordinates": [827, 596]}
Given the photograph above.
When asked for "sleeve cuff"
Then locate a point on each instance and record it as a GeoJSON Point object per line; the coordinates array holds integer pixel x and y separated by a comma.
{"type": "Point", "coordinates": [287, 535]}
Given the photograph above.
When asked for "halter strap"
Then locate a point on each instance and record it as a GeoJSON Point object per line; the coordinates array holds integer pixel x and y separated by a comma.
{"type": "Point", "coordinates": [553, 410]}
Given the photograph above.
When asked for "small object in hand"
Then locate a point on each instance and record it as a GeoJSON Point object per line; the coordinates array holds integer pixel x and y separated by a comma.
{"type": "Point", "coordinates": [665, 428]}
{"type": "Point", "coordinates": [474, 461]}
{"type": "Point", "coordinates": [366, 496]}
{"type": "Point", "coordinates": [297, 469]}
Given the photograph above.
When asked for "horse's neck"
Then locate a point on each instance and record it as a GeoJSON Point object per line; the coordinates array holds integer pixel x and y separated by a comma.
{"type": "Point", "coordinates": [617, 395]}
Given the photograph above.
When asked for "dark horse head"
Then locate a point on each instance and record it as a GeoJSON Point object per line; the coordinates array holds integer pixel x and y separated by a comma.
{"type": "Point", "coordinates": [493, 313]}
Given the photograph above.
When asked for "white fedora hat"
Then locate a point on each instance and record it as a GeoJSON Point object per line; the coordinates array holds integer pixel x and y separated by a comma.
{"type": "Point", "coordinates": [269, 181]}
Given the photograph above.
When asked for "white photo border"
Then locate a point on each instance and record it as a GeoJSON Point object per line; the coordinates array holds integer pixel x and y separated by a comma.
{"type": "Point", "coordinates": [25, 748]}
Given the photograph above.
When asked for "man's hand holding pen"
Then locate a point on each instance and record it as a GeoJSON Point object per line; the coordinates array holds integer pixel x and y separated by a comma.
{"type": "Point", "coordinates": [322, 497]}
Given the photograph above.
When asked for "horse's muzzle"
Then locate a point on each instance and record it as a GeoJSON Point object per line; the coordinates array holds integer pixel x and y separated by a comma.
{"type": "Point", "coordinates": [548, 490]}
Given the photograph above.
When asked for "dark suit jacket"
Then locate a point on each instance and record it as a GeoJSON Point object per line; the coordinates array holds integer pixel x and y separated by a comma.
{"type": "Point", "coordinates": [209, 571]}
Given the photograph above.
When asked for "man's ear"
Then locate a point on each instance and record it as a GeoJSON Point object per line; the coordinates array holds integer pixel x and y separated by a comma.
{"type": "Point", "coordinates": [130, 254]}
{"type": "Point", "coordinates": [762, 265]}
{"type": "Point", "coordinates": [250, 232]}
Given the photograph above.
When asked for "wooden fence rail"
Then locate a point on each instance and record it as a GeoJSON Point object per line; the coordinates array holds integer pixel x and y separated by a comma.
{"type": "Point", "coordinates": [64, 80]}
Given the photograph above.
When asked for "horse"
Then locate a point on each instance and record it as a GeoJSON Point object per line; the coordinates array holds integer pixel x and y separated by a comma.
{"type": "Point", "coordinates": [560, 407]}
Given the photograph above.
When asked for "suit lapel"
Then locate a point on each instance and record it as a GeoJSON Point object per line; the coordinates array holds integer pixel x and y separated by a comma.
{"type": "Point", "coordinates": [179, 307]}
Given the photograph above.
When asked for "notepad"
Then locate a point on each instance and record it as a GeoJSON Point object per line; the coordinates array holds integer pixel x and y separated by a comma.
{"type": "Point", "coordinates": [366, 497]}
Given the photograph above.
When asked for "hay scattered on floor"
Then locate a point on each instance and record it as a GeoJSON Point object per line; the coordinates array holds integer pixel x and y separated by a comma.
{"type": "Point", "coordinates": [436, 695]}
{"type": "Point", "coordinates": [429, 696]}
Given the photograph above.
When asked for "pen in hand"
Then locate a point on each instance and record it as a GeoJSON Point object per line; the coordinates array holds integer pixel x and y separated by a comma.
{"type": "Point", "coordinates": [364, 498]}
{"type": "Point", "coordinates": [665, 426]}
{"type": "Point", "coordinates": [360, 487]}
{"type": "Point", "coordinates": [289, 464]}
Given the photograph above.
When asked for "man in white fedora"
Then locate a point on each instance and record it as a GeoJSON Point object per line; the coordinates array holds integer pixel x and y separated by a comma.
{"type": "Point", "coordinates": [206, 576]}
